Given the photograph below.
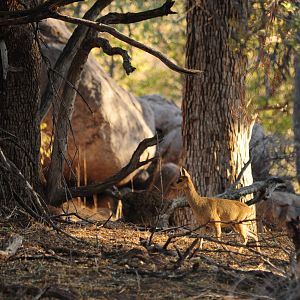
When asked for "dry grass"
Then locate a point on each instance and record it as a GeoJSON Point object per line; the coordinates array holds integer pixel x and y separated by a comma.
{"type": "Point", "coordinates": [115, 265]}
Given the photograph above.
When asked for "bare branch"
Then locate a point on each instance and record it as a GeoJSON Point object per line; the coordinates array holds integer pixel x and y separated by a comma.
{"type": "Point", "coordinates": [109, 50]}
{"type": "Point", "coordinates": [134, 163]}
{"type": "Point", "coordinates": [35, 14]}
{"type": "Point", "coordinates": [238, 179]}
{"type": "Point", "coordinates": [63, 117]}
{"type": "Point", "coordinates": [130, 41]}
{"type": "Point", "coordinates": [277, 106]}
{"type": "Point", "coordinates": [128, 18]}
{"type": "Point", "coordinates": [63, 63]}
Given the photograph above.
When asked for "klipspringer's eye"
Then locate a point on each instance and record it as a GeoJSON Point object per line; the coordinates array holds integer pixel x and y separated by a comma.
{"type": "Point", "coordinates": [179, 180]}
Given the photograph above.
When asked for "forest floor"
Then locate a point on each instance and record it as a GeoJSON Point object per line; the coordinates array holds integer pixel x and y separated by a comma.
{"type": "Point", "coordinates": [114, 262]}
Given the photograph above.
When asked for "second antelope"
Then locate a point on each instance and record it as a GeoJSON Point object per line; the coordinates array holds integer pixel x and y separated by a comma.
{"type": "Point", "coordinates": [216, 212]}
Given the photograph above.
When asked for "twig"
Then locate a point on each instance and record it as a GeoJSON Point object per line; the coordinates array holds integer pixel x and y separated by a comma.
{"type": "Point", "coordinates": [239, 177]}
{"type": "Point", "coordinates": [104, 224]}
{"type": "Point", "coordinates": [109, 50]}
{"type": "Point", "coordinates": [165, 246]}
{"type": "Point", "coordinates": [187, 252]}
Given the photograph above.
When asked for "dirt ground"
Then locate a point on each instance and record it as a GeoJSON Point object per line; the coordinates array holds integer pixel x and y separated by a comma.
{"type": "Point", "coordinates": [116, 261]}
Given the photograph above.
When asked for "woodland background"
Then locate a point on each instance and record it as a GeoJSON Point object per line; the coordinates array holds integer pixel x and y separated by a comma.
{"type": "Point", "coordinates": [108, 241]}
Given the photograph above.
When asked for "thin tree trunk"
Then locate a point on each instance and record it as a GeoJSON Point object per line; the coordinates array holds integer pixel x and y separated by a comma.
{"type": "Point", "coordinates": [62, 124]}
{"type": "Point", "coordinates": [19, 104]}
{"type": "Point", "coordinates": [56, 80]}
{"type": "Point", "coordinates": [64, 112]}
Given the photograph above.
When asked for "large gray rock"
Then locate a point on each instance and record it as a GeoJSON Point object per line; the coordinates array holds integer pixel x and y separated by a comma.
{"type": "Point", "coordinates": [118, 123]}
{"type": "Point", "coordinates": [168, 120]}
{"type": "Point", "coordinates": [260, 144]}
{"type": "Point", "coordinates": [280, 208]}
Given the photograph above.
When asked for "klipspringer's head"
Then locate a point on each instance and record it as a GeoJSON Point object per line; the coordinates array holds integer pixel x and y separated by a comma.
{"type": "Point", "coordinates": [183, 179]}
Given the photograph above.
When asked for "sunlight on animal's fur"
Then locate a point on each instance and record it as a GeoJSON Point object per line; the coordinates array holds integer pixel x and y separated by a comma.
{"type": "Point", "coordinates": [216, 212]}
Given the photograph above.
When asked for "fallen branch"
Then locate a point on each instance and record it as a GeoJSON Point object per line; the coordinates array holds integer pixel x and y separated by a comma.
{"type": "Point", "coordinates": [187, 252]}
{"type": "Point", "coordinates": [134, 163]}
{"type": "Point", "coordinates": [253, 188]}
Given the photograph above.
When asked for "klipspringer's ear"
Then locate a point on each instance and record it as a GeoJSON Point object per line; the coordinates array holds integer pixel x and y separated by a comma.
{"type": "Point", "coordinates": [183, 172]}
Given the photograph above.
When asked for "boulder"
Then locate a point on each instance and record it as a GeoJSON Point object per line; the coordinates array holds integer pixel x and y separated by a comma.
{"type": "Point", "coordinates": [279, 208]}
{"type": "Point", "coordinates": [260, 144]}
{"type": "Point", "coordinates": [119, 122]}
{"type": "Point", "coordinates": [168, 119]}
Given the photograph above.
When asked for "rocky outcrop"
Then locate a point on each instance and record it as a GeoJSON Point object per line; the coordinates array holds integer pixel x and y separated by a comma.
{"type": "Point", "coordinates": [119, 122]}
{"type": "Point", "coordinates": [168, 121]}
{"type": "Point", "coordinates": [260, 144]}
{"type": "Point", "coordinates": [279, 208]}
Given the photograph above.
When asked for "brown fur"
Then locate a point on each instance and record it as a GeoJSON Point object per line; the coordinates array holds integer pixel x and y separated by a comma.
{"type": "Point", "coordinates": [216, 212]}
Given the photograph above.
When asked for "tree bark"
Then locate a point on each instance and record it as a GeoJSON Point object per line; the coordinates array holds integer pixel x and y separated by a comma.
{"type": "Point", "coordinates": [216, 124]}
{"type": "Point", "coordinates": [296, 114]}
{"type": "Point", "coordinates": [19, 104]}
{"type": "Point", "coordinates": [63, 116]}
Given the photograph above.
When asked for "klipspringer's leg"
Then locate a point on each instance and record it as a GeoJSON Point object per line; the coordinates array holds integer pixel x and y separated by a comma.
{"type": "Point", "coordinates": [202, 231]}
{"type": "Point", "coordinates": [218, 230]}
{"type": "Point", "coordinates": [243, 231]}
{"type": "Point", "coordinates": [201, 244]}
{"type": "Point", "coordinates": [255, 237]}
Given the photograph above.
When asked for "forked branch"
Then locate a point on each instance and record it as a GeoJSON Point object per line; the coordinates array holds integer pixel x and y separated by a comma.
{"type": "Point", "coordinates": [130, 41]}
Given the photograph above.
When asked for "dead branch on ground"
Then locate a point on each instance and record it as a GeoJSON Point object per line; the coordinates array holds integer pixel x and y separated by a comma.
{"type": "Point", "coordinates": [134, 163]}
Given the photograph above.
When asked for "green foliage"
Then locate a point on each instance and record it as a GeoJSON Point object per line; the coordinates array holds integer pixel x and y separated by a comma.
{"type": "Point", "coordinates": [269, 42]}
{"type": "Point", "coordinates": [167, 34]}
{"type": "Point", "coordinates": [271, 46]}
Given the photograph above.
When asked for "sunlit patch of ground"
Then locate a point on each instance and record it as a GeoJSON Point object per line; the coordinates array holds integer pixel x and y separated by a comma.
{"type": "Point", "coordinates": [113, 264]}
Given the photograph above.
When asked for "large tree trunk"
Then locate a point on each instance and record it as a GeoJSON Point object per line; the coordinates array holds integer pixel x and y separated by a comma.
{"type": "Point", "coordinates": [216, 125]}
{"type": "Point", "coordinates": [19, 104]}
{"type": "Point", "coordinates": [296, 114]}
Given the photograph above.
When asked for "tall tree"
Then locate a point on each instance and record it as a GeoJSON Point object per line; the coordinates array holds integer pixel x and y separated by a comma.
{"type": "Point", "coordinates": [22, 107]}
{"type": "Point", "coordinates": [216, 122]}
{"type": "Point", "coordinates": [296, 111]}
{"type": "Point", "coordinates": [19, 101]}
